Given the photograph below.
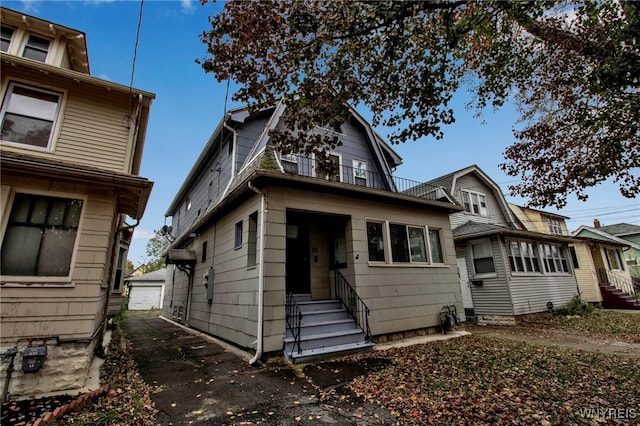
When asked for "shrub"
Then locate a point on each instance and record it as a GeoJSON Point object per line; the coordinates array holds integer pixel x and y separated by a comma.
{"type": "Point", "coordinates": [576, 307]}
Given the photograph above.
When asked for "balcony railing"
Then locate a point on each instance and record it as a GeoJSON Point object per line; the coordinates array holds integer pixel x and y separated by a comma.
{"type": "Point", "coordinates": [309, 167]}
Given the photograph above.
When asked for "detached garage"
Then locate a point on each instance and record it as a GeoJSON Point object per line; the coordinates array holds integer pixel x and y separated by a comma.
{"type": "Point", "coordinates": [146, 291]}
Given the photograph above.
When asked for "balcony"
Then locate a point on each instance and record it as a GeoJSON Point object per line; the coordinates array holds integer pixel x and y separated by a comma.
{"type": "Point", "coordinates": [361, 176]}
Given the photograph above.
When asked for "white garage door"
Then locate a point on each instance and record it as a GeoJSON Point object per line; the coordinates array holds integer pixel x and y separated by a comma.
{"type": "Point", "coordinates": [145, 298]}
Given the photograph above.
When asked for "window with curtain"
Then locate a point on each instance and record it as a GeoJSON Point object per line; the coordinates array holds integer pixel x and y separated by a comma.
{"type": "Point", "coordinates": [40, 236]}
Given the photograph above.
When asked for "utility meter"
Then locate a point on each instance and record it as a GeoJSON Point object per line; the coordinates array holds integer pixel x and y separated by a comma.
{"type": "Point", "coordinates": [33, 358]}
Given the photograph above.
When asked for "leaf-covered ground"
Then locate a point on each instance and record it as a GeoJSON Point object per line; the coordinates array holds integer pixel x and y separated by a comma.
{"type": "Point", "coordinates": [600, 324]}
{"type": "Point", "coordinates": [476, 380]}
{"type": "Point", "coordinates": [129, 402]}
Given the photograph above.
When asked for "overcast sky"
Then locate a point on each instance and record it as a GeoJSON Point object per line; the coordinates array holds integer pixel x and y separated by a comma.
{"type": "Point", "coordinates": [189, 104]}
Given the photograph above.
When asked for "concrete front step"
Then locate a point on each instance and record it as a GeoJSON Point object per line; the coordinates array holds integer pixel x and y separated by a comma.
{"type": "Point", "coordinates": [334, 338]}
{"type": "Point", "coordinates": [310, 355]}
{"type": "Point", "coordinates": [325, 327]}
{"type": "Point", "coordinates": [319, 305]}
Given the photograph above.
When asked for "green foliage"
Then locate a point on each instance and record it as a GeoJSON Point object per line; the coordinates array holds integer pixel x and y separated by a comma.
{"type": "Point", "coordinates": [572, 67]}
{"type": "Point", "coordinates": [156, 249]}
{"type": "Point", "coordinates": [575, 307]}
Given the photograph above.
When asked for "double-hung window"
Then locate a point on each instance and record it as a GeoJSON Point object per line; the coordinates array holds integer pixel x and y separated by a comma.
{"type": "Point", "coordinates": [238, 236]}
{"type": "Point", "coordinates": [331, 170]}
{"type": "Point", "coordinates": [474, 202]}
{"type": "Point", "coordinates": [5, 38]}
{"type": "Point", "coordinates": [37, 48]}
{"type": "Point", "coordinates": [40, 236]}
{"type": "Point", "coordinates": [554, 225]}
{"type": "Point", "coordinates": [29, 115]}
{"type": "Point", "coordinates": [482, 254]}
{"type": "Point", "coordinates": [360, 172]}
{"type": "Point", "coordinates": [376, 241]}
{"type": "Point", "coordinates": [289, 163]}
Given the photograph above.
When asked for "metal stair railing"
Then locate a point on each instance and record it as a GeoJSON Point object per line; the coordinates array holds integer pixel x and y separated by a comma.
{"type": "Point", "coordinates": [353, 303]}
{"type": "Point", "coordinates": [621, 283]}
{"type": "Point", "coordinates": [294, 319]}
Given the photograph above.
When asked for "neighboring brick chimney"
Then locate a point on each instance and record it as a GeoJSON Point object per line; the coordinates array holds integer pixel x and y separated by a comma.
{"type": "Point", "coordinates": [596, 223]}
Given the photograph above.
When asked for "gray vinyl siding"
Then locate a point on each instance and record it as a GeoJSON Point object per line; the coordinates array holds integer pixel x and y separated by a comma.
{"type": "Point", "coordinates": [248, 134]}
{"type": "Point", "coordinates": [206, 191]}
{"type": "Point", "coordinates": [472, 183]}
{"type": "Point", "coordinates": [531, 292]}
{"type": "Point", "coordinates": [492, 297]}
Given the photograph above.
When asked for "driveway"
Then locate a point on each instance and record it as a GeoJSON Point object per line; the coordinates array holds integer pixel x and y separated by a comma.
{"type": "Point", "coordinates": [199, 381]}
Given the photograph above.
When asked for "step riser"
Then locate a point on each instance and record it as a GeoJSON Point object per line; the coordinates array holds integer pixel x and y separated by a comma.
{"type": "Point", "coordinates": [319, 316]}
{"type": "Point", "coordinates": [321, 328]}
{"type": "Point", "coordinates": [302, 358]}
{"type": "Point", "coordinates": [326, 341]}
{"type": "Point", "coordinates": [307, 307]}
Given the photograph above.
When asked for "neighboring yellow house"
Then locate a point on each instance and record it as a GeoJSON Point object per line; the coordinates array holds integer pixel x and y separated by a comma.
{"type": "Point", "coordinates": [70, 152]}
{"type": "Point", "coordinates": [605, 277]}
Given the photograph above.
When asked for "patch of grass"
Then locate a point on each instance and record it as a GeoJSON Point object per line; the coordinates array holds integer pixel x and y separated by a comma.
{"type": "Point", "coordinates": [601, 324]}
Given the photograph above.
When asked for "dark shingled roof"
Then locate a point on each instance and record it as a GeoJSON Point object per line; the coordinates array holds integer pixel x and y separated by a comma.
{"type": "Point", "coordinates": [476, 228]}
{"type": "Point", "coordinates": [621, 229]}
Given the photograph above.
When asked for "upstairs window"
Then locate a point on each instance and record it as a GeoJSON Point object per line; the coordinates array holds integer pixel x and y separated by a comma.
{"type": "Point", "coordinates": [474, 203]}
{"type": "Point", "coordinates": [36, 48]}
{"type": "Point", "coordinates": [554, 225]}
{"type": "Point", "coordinates": [29, 115]}
{"type": "Point", "coordinates": [289, 163]}
{"type": "Point", "coordinates": [360, 172]}
{"type": "Point", "coordinates": [40, 236]}
{"type": "Point", "coordinates": [5, 38]}
{"type": "Point", "coordinates": [332, 170]}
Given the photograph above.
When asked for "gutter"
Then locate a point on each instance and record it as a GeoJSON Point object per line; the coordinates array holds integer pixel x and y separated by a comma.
{"type": "Point", "coordinates": [260, 338]}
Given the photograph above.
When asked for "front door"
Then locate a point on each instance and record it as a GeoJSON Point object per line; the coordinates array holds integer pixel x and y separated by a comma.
{"type": "Point", "coordinates": [465, 285]}
{"type": "Point", "coordinates": [298, 276]}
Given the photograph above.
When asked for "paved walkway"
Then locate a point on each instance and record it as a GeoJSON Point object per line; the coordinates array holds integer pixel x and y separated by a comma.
{"type": "Point", "coordinates": [199, 381]}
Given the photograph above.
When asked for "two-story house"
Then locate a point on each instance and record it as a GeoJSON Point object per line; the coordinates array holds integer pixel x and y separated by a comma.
{"type": "Point", "coordinates": [272, 251]}
{"type": "Point", "coordinates": [70, 153]}
{"type": "Point", "coordinates": [506, 270]}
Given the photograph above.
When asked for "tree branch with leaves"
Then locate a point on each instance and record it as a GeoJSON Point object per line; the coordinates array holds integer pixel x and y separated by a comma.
{"type": "Point", "coordinates": [572, 68]}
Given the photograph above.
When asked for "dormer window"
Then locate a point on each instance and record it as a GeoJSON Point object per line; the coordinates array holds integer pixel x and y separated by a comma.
{"type": "Point", "coordinates": [36, 48]}
{"type": "Point", "coordinates": [5, 38]}
{"type": "Point", "coordinates": [554, 225]}
{"type": "Point", "coordinates": [474, 202]}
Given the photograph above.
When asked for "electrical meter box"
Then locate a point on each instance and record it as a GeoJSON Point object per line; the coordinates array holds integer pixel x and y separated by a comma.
{"type": "Point", "coordinates": [33, 358]}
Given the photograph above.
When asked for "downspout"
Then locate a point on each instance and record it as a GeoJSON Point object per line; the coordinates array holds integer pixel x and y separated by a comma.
{"type": "Point", "coordinates": [233, 153]}
{"type": "Point", "coordinates": [260, 338]}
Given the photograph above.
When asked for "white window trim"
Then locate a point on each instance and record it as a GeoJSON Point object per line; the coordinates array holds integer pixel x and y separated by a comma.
{"type": "Point", "coordinates": [314, 167]}
{"type": "Point", "coordinates": [354, 162]}
{"type": "Point", "coordinates": [25, 39]}
{"type": "Point", "coordinates": [388, 255]}
{"type": "Point", "coordinates": [619, 258]}
{"type": "Point", "coordinates": [480, 208]}
{"type": "Point", "coordinates": [543, 259]}
{"type": "Point", "coordinates": [538, 256]}
{"type": "Point", "coordinates": [471, 258]}
{"type": "Point", "coordinates": [22, 280]}
{"type": "Point", "coordinates": [57, 124]}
